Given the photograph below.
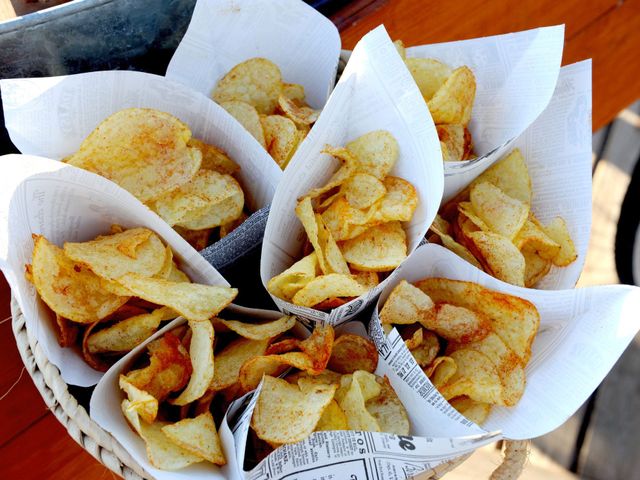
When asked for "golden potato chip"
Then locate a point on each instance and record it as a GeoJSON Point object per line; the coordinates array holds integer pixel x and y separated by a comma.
{"type": "Point", "coordinates": [254, 369]}
{"type": "Point", "coordinates": [355, 390]}
{"type": "Point", "coordinates": [514, 319]}
{"type": "Point", "coordinates": [296, 111]}
{"type": "Point", "coordinates": [429, 74]}
{"type": "Point", "coordinates": [227, 228]}
{"type": "Point", "coordinates": [344, 221]}
{"type": "Point", "coordinates": [559, 232]}
{"type": "Point", "coordinates": [231, 358]}
{"type": "Point", "coordinates": [66, 331]}
{"type": "Point", "coordinates": [167, 265]}
{"type": "Point", "coordinates": [477, 412]}
{"type": "Point", "coordinates": [69, 288]}
{"type": "Point", "coordinates": [191, 300]}
{"type": "Point", "coordinates": [197, 436]}
{"type": "Point", "coordinates": [293, 91]}
{"type": "Point", "coordinates": [510, 175]}
{"type": "Point", "coordinates": [535, 268]}
{"type": "Point", "coordinates": [453, 101]}
{"type": "Point", "coordinates": [362, 190]}
{"type": "Point", "coordinates": [375, 153]}
{"type": "Point", "coordinates": [457, 140]}
{"type": "Point", "coordinates": [142, 150]}
{"type": "Point", "coordinates": [201, 354]}
{"type": "Point", "coordinates": [286, 284]}
{"type": "Point", "coordinates": [142, 402]}
{"type": "Point", "coordinates": [475, 223]}
{"type": "Point", "coordinates": [248, 117]}
{"type": "Point", "coordinates": [256, 81]}
{"type": "Point", "coordinates": [127, 334]}
{"type": "Point", "coordinates": [368, 280]}
{"type": "Point", "coordinates": [325, 377]}
{"type": "Point", "coordinates": [281, 136]}
{"type": "Point", "coordinates": [198, 239]}
{"type": "Point", "coordinates": [213, 158]}
{"type": "Point", "coordinates": [380, 249]}
{"type": "Point", "coordinates": [441, 370]}
{"type": "Point", "coordinates": [260, 331]}
{"type": "Point", "coordinates": [137, 250]}
{"type": "Point", "coordinates": [457, 324]}
{"type": "Point", "coordinates": [284, 414]}
{"type": "Point", "coordinates": [399, 44]}
{"type": "Point", "coordinates": [162, 452]}
{"type": "Point", "coordinates": [328, 286]}
{"type": "Point", "coordinates": [406, 305]}
{"type": "Point", "coordinates": [388, 410]}
{"type": "Point", "coordinates": [449, 243]}
{"type": "Point", "coordinates": [207, 189]}
{"type": "Point", "coordinates": [177, 275]}
{"type": "Point", "coordinates": [503, 214]}
{"type": "Point", "coordinates": [428, 349]}
{"type": "Point", "coordinates": [499, 257]}
{"type": "Point", "coordinates": [476, 377]}
{"type": "Point", "coordinates": [333, 418]}
{"type": "Point", "coordinates": [399, 203]}
{"type": "Point", "coordinates": [353, 352]}
{"type": "Point", "coordinates": [416, 338]}
{"type": "Point", "coordinates": [532, 238]}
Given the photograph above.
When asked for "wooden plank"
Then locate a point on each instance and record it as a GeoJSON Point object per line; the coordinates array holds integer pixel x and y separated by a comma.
{"type": "Point", "coordinates": [45, 451]}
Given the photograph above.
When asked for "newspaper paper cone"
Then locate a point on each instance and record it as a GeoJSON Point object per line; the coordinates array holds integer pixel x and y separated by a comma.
{"type": "Point", "coordinates": [303, 43]}
{"type": "Point", "coordinates": [582, 334]}
{"type": "Point", "coordinates": [375, 92]}
{"type": "Point", "coordinates": [65, 203]}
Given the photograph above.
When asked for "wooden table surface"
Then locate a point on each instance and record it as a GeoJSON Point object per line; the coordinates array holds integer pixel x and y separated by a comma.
{"type": "Point", "coordinates": [34, 445]}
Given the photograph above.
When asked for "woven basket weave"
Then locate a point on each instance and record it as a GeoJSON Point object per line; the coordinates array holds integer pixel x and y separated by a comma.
{"type": "Point", "coordinates": [108, 451]}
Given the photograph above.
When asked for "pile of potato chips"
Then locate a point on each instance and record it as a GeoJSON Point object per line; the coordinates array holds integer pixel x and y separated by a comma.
{"type": "Point", "coordinates": [490, 225]}
{"type": "Point", "coordinates": [353, 223]}
{"type": "Point", "coordinates": [473, 343]}
{"type": "Point", "coordinates": [113, 292]}
{"type": "Point", "coordinates": [187, 182]}
{"type": "Point", "coordinates": [273, 112]}
{"type": "Point", "coordinates": [449, 94]}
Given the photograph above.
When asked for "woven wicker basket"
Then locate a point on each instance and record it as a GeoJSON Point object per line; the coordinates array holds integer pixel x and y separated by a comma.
{"type": "Point", "coordinates": [106, 449]}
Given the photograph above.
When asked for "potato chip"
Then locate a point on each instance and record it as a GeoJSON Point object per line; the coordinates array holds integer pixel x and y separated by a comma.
{"type": "Point", "coordinates": [457, 140]}
{"type": "Point", "coordinates": [253, 370]}
{"type": "Point", "coordinates": [514, 319]}
{"type": "Point", "coordinates": [458, 324]}
{"type": "Point", "coordinates": [380, 249]}
{"type": "Point", "coordinates": [353, 352]}
{"type": "Point", "coordinates": [192, 301]}
{"type": "Point", "coordinates": [399, 44]}
{"type": "Point", "coordinates": [499, 257]}
{"type": "Point", "coordinates": [213, 158]}
{"type": "Point", "coordinates": [428, 349]}
{"type": "Point", "coordinates": [198, 239]}
{"type": "Point", "coordinates": [399, 203]}
{"type": "Point", "coordinates": [510, 175]}
{"type": "Point", "coordinates": [441, 370]}
{"type": "Point", "coordinates": [260, 331]}
{"type": "Point", "coordinates": [429, 74]}
{"type": "Point", "coordinates": [368, 280]}
{"type": "Point", "coordinates": [453, 101]}
{"type": "Point", "coordinates": [416, 338]}
{"type": "Point", "coordinates": [457, 248]}
{"type": "Point", "coordinates": [144, 151]}
{"type": "Point", "coordinates": [287, 284]}
{"type": "Point", "coordinates": [328, 286]}
{"type": "Point", "coordinates": [477, 412]}
{"type": "Point", "coordinates": [66, 331]}
{"type": "Point", "coordinates": [127, 334]}
{"type": "Point", "coordinates": [293, 91]}
{"type": "Point", "coordinates": [362, 190]}
{"type": "Point", "coordinates": [207, 189]}
{"type": "Point", "coordinates": [406, 305]}
{"type": "Point", "coordinates": [333, 418]}
{"type": "Point", "coordinates": [231, 358]}
{"type": "Point", "coordinates": [532, 238]}
{"type": "Point", "coordinates": [344, 221]}
{"type": "Point", "coordinates": [559, 232]}
{"type": "Point", "coordinates": [325, 377]}
{"type": "Point", "coordinates": [94, 361]}
{"type": "Point", "coordinates": [256, 81]}
{"type": "Point", "coordinates": [281, 136]}
{"type": "Point", "coordinates": [227, 228]}
{"type": "Point", "coordinates": [503, 214]}
{"type": "Point", "coordinates": [469, 220]}
{"type": "Point", "coordinates": [375, 153]}
{"type": "Point", "coordinates": [142, 402]}
{"type": "Point", "coordinates": [201, 354]}
{"type": "Point", "coordinates": [296, 111]}
{"type": "Point", "coordinates": [197, 436]}
{"type": "Point", "coordinates": [137, 250]}
{"type": "Point", "coordinates": [167, 265]}
{"type": "Point", "coordinates": [70, 289]}
{"type": "Point", "coordinates": [248, 117]}
{"type": "Point", "coordinates": [535, 268]}
{"type": "Point", "coordinates": [388, 410]}
{"type": "Point", "coordinates": [355, 390]}
{"type": "Point", "coordinates": [476, 377]}
{"type": "Point", "coordinates": [284, 414]}
{"type": "Point", "coordinates": [162, 452]}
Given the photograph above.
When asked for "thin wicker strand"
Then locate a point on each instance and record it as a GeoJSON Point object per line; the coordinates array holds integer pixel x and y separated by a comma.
{"type": "Point", "coordinates": [14, 384]}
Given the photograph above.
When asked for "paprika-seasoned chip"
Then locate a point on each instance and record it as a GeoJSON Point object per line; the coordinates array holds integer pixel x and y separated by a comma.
{"type": "Point", "coordinates": [232, 357]}
{"type": "Point", "coordinates": [260, 331]}
{"type": "Point", "coordinates": [198, 239]}
{"type": "Point", "coordinates": [256, 81]}
{"type": "Point", "coordinates": [328, 286]}
{"type": "Point", "coordinates": [379, 249]}
{"type": "Point", "coordinates": [375, 153]}
{"type": "Point", "coordinates": [499, 257]}
{"type": "Point", "coordinates": [344, 221]}
{"type": "Point", "coordinates": [468, 219]}
{"type": "Point", "coordinates": [399, 203]}
{"type": "Point", "coordinates": [416, 338]}
{"type": "Point", "coordinates": [70, 289]}
{"type": "Point", "coordinates": [214, 158]}
{"type": "Point", "coordinates": [197, 436]}
{"type": "Point", "coordinates": [281, 137]}
{"type": "Point", "coordinates": [455, 247]}
{"type": "Point", "coordinates": [248, 117]}
{"type": "Point", "coordinates": [559, 232]}
{"type": "Point", "coordinates": [477, 412]}
{"type": "Point", "coordinates": [254, 369]}
{"type": "Point", "coordinates": [167, 265]}
{"type": "Point", "coordinates": [285, 414]}
{"type": "Point", "coordinates": [441, 370]}
{"type": "Point", "coordinates": [137, 250]}
{"type": "Point", "coordinates": [201, 354]}
{"type": "Point", "coordinates": [453, 101]}
{"type": "Point", "coordinates": [458, 324]}
{"type": "Point", "coordinates": [227, 228]}
{"type": "Point", "coordinates": [355, 390]}
{"type": "Point", "coordinates": [353, 352]}
{"type": "Point", "coordinates": [333, 418]}
{"type": "Point", "coordinates": [429, 74]}
{"type": "Point", "coordinates": [368, 280]}
{"type": "Point", "coordinates": [192, 301]}
{"type": "Point", "coordinates": [142, 402]}
{"type": "Point", "coordinates": [510, 175]}
{"type": "Point", "coordinates": [362, 190]}
{"type": "Point", "coordinates": [67, 331]}
{"type": "Point", "coordinates": [532, 238]}
{"type": "Point", "coordinates": [535, 268]}
{"type": "Point", "coordinates": [162, 452]}
{"type": "Point", "coordinates": [144, 151]}
{"type": "Point", "coordinates": [457, 140]}
{"type": "Point", "coordinates": [299, 113]}
{"type": "Point", "coordinates": [476, 377]}
{"type": "Point", "coordinates": [503, 214]}
{"type": "Point", "coordinates": [406, 305]}
{"type": "Point", "coordinates": [428, 349]}
{"type": "Point", "coordinates": [287, 284]}
{"type": "Point", "coordinates": [388, 410]}
{"type": "Point", "coordinates": [293, 91]}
